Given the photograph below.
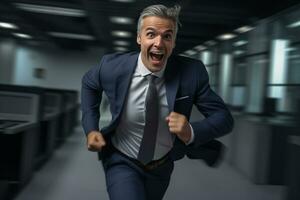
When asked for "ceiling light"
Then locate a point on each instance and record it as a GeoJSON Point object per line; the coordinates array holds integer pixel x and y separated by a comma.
{"type": "Point", "coordinates": [121, 20]}
{"type": "Point", "coordinates": [120, 49]}
{"type": "Point", "coordinates": [22, 35]}
{"type": "Point", "coordinates": [124, 1]}
{"type": "Point", "coordinates": [123, 34]}
{"type": "Point", "coordinates": [121, 43]}
{"type": "Point", "coordinates": [72, 36]}
{"type": "Point", "coordinates": [8, 25]}
{"type": "Point", "coordinates": [244, 29]}
{"type": "Point", "coordinates": [240, 43]}
{"type": "Point", "coordinates": [200, 47]}
{"type": "Point", "coordinates": [190, 52]}
{"type": "Point", "coordinates": [226, 36]}
{"type": "Point", "coordinates": [210, 43]}
{"type": "Point", "coordinates": [294, 24]}
{"type": "Point", "coordinates": [51, 10]}
{"type": "Point", "coordinates": [238, 52]}
{"type": "Point", "coordinates": [183, 54]}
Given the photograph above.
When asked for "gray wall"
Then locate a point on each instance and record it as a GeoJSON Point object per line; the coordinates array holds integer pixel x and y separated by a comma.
{"type": "Point", "coordinates": [7, 57]}
{"type": "Point", "coordinates": [58, 68]}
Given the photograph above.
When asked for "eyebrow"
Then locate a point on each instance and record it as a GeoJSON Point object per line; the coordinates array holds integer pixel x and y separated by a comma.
{"type": "Point", "coordinates": [153, 29]}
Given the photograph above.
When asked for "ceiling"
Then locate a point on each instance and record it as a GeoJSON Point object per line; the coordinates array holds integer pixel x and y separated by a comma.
{"type": "Point", "coordinates": [202, 20]}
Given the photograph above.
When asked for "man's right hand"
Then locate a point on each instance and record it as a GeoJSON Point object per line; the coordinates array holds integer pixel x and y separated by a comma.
{"type": "Point", "coordinates": [95, 141]}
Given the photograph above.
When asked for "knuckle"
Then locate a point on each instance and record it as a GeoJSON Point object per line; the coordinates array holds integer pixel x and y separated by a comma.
{"type": "Point", "coordinates": [92, 143]}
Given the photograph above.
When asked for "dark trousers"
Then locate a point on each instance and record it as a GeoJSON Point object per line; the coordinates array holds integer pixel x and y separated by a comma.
{"type": "Point", "coordinates": [125, 180]}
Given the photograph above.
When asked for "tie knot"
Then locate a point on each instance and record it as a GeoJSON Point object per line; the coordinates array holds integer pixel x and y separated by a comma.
{"type": "Point", "coordinates": [151, 78]}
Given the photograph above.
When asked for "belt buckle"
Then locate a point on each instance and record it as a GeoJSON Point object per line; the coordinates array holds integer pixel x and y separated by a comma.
{"type": "Point", "coordinates": [155, 164]}
{"type": "Point", "coordinates": [149, 167]}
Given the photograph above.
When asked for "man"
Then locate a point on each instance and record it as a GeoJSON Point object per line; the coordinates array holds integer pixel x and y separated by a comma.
{"type": "Point", "coordinates": [151, 94]}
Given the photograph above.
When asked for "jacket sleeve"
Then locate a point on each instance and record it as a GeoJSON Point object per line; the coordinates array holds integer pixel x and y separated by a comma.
{"type": "Point", "coordinates": [218, 119]}
{"type": "Point", "coordinates": [91, 95]}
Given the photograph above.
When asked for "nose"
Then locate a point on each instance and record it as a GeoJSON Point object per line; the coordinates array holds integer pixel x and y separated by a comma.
{"type": "Point", "coordinates": [158, 41]}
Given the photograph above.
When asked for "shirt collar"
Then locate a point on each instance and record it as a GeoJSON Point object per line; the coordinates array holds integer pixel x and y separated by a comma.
{"type": "Point", "coordinates": [144, 71]}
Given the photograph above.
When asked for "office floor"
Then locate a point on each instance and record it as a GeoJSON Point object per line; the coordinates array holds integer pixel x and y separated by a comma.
{"type": "Point", "coordinates": [73, 173]}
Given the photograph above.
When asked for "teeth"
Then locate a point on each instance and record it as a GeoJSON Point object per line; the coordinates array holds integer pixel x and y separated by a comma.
{"type": "Point", "coordinates": [157, 53]}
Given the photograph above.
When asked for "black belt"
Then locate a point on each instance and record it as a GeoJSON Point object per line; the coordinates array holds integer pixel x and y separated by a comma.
{"type": "Point", "coordinates": [149, 166]}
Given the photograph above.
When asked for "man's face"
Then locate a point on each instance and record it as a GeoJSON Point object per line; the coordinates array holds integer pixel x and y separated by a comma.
{"type": "Point", "coordinates": [157, 40]}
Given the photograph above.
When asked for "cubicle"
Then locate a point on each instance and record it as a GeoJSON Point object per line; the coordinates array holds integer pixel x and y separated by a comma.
{"type": "Point", "coordinates": [57, 116]}
{"type": "Point", "coordinates": [49, 126]}
{"type": "Point", "coordinates": [68, 113]}
{"type": "Point", "coordinates": [259, 147]}
{"type": "Point", "coordinates": [32, 120]}
{"type": "Point", "coordinates": [18, 135]}
{"type": "Point", "coordinates": [293, 173]}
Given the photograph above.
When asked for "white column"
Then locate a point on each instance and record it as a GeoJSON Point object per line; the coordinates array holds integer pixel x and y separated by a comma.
{"type": "Point", "coordinates": [278, 72]}
{"type": "Point", "coordinates": [225, 76]}
{"type": "Point", "coordinates": [205, 57]}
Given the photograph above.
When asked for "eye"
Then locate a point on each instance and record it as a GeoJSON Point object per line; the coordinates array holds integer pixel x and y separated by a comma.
{"type": "Point", "coordinates": [168, 36]}
{"type": "Point", "coordinates": [150, 34]}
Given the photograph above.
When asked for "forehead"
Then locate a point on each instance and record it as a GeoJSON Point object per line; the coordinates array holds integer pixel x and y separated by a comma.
{"type": "Point", "coordinates": [158, 23]}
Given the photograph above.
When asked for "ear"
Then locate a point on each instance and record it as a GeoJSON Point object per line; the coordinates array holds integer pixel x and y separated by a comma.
{"type": "Point", "coordinates": [138, 39]}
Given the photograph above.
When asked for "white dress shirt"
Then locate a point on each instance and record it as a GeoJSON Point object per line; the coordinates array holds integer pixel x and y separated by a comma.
{"type": "Point", "coordinates": [129, 132]}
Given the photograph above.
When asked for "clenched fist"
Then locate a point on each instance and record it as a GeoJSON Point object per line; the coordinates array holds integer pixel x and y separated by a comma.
{"type": "Point", "coordinates": [179, 126]}
{"type": "Point", "coordinates": [95, 141]}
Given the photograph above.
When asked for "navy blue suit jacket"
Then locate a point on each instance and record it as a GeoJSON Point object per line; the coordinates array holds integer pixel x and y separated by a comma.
{"type": "Point", "coordinates": [187, 84]}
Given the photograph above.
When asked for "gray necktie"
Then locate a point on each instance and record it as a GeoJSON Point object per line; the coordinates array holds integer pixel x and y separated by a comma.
{"type": "Point", "coordinates": [147, 147]}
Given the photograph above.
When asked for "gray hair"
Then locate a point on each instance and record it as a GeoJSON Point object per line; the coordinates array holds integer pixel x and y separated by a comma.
{"type": "Point", "coordinates": [171, 13]}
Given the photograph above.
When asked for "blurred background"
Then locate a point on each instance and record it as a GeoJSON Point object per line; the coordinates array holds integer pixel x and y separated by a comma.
{"type": "Point", "coordinates": [251, 50]}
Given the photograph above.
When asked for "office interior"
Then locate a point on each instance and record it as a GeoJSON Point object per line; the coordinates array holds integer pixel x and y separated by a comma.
{"type": "Point", "coordinates": [251, 53]}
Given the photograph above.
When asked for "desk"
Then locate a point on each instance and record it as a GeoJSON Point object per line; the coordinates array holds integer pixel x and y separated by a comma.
{"type": "Point", "coordinates": [293, 170]}
{"type": "Point", "coordinates": [259, 147]}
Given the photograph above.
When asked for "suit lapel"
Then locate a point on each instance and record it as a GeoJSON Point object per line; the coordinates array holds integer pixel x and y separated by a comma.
{"type": "Point", "coordinates": [172, 78]}
{"type": "Point", "coordinates": [123, 81]}
{"type": "Point", "coordinates": [171, 82]}
{"type": "Point", "coordinates": [124, 78]}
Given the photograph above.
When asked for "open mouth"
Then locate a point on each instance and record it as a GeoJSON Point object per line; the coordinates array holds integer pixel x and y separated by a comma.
{"type": "Point", "coordinates": [156, 56]}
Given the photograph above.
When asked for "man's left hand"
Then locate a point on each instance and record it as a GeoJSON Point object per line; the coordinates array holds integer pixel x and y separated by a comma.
{"type": "Point", "coordinates": [179, 125]}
